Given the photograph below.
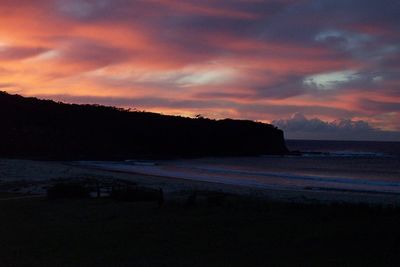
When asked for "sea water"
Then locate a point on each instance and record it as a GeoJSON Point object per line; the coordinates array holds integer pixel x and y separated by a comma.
{"type": "Point", "coordinates": [371, 167]}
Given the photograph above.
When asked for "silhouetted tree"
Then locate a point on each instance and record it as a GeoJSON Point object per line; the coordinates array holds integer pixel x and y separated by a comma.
{"type": "Point", "coordinates": [36, 128]}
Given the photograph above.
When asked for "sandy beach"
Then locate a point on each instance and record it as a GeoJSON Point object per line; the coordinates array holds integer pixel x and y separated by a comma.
{"type": "Point", "coordinates": [249, 227]}
{"type": "Point", "coordinates": [28, 177]}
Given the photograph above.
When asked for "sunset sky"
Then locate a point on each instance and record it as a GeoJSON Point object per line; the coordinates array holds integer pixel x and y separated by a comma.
{"type": "Point", "coordinates": [327, 68]}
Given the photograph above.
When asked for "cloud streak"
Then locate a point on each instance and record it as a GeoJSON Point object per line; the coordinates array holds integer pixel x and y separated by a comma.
{"type": "Point", "coordinates": [263, 60]}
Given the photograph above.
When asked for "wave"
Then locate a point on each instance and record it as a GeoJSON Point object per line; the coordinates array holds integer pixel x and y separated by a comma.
{"type": "Point", "coordinates": [339, 154]}
{"type": "Point", "coordinates": [290, 176]}
{"type": "Point", "coordinates": [256, 179]}
{"type": "Point", "coordinates": [345, 148]}
{"type": "Point", "coordinates": [352, 154]}
{"type": "Point", "coordinates": [336, 154]}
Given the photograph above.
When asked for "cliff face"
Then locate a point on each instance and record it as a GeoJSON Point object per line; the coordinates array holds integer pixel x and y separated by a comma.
{"type": "Point", "coordinates": [33, 128]}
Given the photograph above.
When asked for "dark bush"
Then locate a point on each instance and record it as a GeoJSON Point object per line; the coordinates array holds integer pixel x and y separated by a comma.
{"type": "Point", "coordinates": [135, 193]}
{"type": "Point", "coordinates": [33, 128]}
{"type": "Point", "coordinates": [68, 190]}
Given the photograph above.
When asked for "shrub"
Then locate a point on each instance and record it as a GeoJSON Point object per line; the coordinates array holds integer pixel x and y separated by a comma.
{"type": "Point", "coordinates": [67, 190]}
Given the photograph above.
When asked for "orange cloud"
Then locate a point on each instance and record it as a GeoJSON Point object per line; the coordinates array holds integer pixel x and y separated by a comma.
{"type": "Point", "coordinates": [242, 59]}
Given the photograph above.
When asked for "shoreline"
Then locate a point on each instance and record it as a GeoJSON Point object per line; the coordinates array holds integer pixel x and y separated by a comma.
{"type": "Point", "coordinates": [242, 223]}
{"type": "Point", "coordinates": [272, 192]}
{"type": "Point", "coordinates": [290, 195]}
{"type": "Point", "coordinates": [32, 177]}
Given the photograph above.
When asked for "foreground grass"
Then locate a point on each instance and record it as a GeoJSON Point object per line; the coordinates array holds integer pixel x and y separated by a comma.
{"type": "Point", "coordinates": [103, 232]}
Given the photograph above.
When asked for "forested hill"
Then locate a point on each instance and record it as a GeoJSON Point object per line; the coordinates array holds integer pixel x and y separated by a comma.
{"type": "Point", "coordinates": [33, 128]}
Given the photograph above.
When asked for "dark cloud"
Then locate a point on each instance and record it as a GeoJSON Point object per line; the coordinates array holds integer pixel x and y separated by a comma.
{"type": "Point", "coordinates": [379, 106]}
{"type": "Point", "coordinates": [186, 26]}
{"type": "Point", "coordinates": [16, 52]}
{"type": "Point", "coordinates": [96, 53]}
{"type": "Point", "coordinates": [222, 95]}
{"type": "Point", "coordinates": [87, 9]}
{"type": "Point", "coordinates": [289, 86]}
{"type": "Point", "coordinates": [260, 111]}
{"type": "Point", "coordinates": [256, 59]}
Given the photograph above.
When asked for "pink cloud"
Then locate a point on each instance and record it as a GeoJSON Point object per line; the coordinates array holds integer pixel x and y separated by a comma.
{"type": "Point", "coordinates": [246, 59]}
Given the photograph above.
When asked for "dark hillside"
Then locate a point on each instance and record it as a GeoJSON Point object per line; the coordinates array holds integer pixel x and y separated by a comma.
{"type": "Point", "coordinates": [33, 128]}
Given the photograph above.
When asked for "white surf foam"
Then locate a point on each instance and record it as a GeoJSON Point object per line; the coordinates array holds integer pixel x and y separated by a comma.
{"type": "Point", "coordinates": [256, 179]}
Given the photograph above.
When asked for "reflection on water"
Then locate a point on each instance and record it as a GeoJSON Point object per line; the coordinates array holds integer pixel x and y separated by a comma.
{"type": "Point", "coordinates": [373, 167]}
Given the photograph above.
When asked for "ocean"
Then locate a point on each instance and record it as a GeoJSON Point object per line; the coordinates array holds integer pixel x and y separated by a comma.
{"type": "Point", "coordinates": [347, 148]}
{"type": "Point", "coordinates": [370, 167]}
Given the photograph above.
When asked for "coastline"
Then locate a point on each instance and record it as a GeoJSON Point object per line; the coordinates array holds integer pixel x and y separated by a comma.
{"type": "Point", "coordinates": [33, 177]}
{"type": "Point", "coordinates": [226, 226]}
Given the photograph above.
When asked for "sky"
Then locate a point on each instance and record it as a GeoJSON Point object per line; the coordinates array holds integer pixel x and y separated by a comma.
{"type": "Point", "coordinates": [326, 69]}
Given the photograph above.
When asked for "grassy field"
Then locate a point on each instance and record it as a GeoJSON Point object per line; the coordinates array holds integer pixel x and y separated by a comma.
{"type": "Point", "coordinates": [237, 232]}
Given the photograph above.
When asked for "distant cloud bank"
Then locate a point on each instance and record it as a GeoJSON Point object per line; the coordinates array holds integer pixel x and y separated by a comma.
{"type": "Point", "coordinates": [299, 127]}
